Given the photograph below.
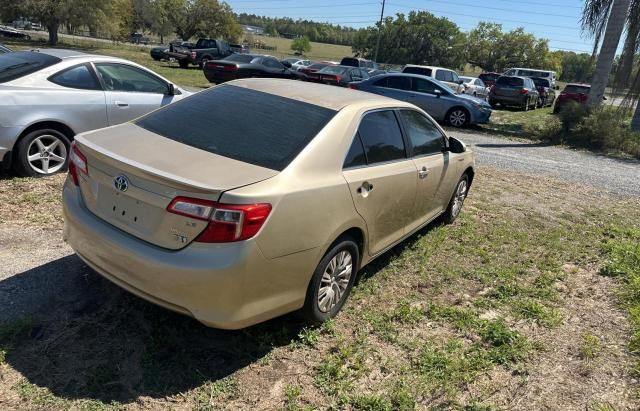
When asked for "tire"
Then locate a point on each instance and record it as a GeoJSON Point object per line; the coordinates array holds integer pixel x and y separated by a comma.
{"type": "Point", "coordinates": [317, 309]}
{"type": "Point", "coordinates": [458, 117]}
{"type": "Point", "coordinates": [183, 64]}
{"type": "Point", "coordinates": [457, 200]}
{"type": "Point", "coordinates": [49, 150]}
{"type": "Point", "coordinates": [526, 105]}
{"type": "Point", "coordinates": [541, 102]}
{"type": "Point", "coordinates": [204, 61]}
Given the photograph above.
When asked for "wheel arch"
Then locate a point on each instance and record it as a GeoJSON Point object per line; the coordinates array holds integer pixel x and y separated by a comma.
{"type": "Point", "coordinates": [458, 107]}
{"type": "Point", "coordinates": [52, 124]}
{"type": "Point", "coordinates": [470, 172]}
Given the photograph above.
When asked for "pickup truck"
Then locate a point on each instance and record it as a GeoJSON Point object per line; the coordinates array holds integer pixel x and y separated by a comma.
{"type": "Point", "coordinates": [204, 50]}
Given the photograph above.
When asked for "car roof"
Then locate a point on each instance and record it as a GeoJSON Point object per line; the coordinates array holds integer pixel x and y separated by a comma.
{"type": "Point", "coordinates": [331, 97]}
{"type": "Point", "coordinates": [428, 67]}
{"type": "Point", "coordinates": [61, 53]}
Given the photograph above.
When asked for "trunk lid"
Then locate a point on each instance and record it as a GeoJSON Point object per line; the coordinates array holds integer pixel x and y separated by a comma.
{"type": "Point", "coordinates": [134, 174]}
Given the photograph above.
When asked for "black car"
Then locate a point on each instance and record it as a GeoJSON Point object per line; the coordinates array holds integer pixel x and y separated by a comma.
{"type": "Point", "coordinates": [13, 33]}
{"type": "Point", "coordinates": [4, 49]}
{"type": "Point", "coordinates": [339, 75]}
{"type": "Point", "coordinates": [547, 93]}
{"type": "Point", "coordinates": [248, 65]}
{"type": "Point", "coordinates": [359, 62]}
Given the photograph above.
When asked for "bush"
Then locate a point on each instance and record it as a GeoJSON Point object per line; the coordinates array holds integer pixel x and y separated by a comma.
{"type": "Point", "coordinates": [571, 115]}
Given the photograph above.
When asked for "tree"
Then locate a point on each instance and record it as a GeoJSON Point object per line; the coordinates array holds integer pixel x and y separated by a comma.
{"type": "Point", "coordinates": [613, 32]}
{"type": "Point", "coordinates": [420, 38]}
{"type": "Point", "coordinates": [301, 45]}
{"type": "Point", "coordinates": [206, 18]}
{"type": "Point", "coordinates": [577, 67]}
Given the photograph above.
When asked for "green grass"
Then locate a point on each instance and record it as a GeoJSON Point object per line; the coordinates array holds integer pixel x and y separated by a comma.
{"type": "Point", "coordinates": [517, 123]}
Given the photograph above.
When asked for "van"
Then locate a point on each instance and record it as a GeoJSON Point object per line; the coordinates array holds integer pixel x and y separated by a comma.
{"type": "Point", "coordinates": [446, 76]}
{"type": "Point", "coordinates": [528, 72]}
{"type": "Point", "coordinates": [359, 62]}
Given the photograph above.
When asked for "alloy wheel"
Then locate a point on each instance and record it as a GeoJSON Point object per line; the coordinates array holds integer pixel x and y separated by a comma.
{"type": "Point", "coordinates": [47, 154]}
{"type": "Point", "coordinates": [335, 281]}
{"type": "Point", "coordinates": [458, 199]}
{"type": "Point", "coordinates": [457, 118]}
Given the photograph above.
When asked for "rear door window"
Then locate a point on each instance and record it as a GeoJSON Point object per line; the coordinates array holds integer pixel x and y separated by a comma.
{"type": "Point", "coordinates": [80, 77]}
{"type": "Point", "coordinates": [424, 136]}
{"type": "Point", "coordinates": [243, 124]}
{"type": "Point", "coordinates": [21, 63]}
{"type": "Point", "coordinates": [399, 82]}
{"type": "Point", "coordinates": [381, 137]}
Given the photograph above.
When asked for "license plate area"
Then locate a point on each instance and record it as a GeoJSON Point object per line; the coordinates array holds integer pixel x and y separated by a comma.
{"type": "Point", "coordinates": [123, 209]}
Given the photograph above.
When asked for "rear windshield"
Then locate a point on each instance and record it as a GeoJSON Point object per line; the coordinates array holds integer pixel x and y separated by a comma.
{"type": "Point", "coordinates": [21, 63]}
{"type": "Point", "coordinates": [510, 81]}
{"type": "Point", "coordinates": [240, 58]}
{"type": "Point", "coordinates": [488, 77]}
{"type": "Point", "coordinates": [334, 70]}
{"type": "Point", "coordinates": [540, 82]}
{"type": "Point", "coordinates": [465, 79]}
{"type": "Point", "coordinates": [350, 61]}
{"type": "Point", "coordinates": [246, 125]}
{"type": "Point", "coordinates": [418, 70]}
{"type": "Point", "coordinates": [318, 66]}
{"type": "Point", "coordinates": [577, 89]}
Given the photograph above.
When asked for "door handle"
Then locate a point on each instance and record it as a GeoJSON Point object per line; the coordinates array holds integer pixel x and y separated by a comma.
{"type": "Point", "coordinates": [365, 188]}
{"type": "Point", "coordinates": [423, 173]}
{"type": "Point", "coordinates": [121, 104]}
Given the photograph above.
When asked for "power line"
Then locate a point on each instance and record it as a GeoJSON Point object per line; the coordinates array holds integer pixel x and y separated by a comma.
{"type": "Point", "coordinates": [453, 3]}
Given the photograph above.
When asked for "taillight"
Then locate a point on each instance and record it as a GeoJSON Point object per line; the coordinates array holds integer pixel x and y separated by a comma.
{"type": "Point", "coordinates": [524, 91]}
{"type": "Point", "coordinates": [227, 222]}
{"type": "Point", "coordinates": [193, 55]}
{"type": "Point", "coordinates": [338, 79]}
{"type": "Point", "coordinates": [230, 67]}
{"type": "Point", "coordinates": [77, 163]}
{"type": "Point", "coordinates": [352, 86]}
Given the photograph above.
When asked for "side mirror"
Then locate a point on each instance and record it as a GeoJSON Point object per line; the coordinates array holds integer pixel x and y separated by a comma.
{"type": "Point", "coordinates": [438, 93]}
{"type": "Point", "coordinates": [286, 64]}
{"type": "Point", "coordinates": [171, 89]}
{"type": "Point", "coordinates": [604, 98]}
{"type": "Point", "coordinates": [456, 146]}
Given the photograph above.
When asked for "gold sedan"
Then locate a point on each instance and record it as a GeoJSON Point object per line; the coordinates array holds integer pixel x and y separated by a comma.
{"type": "Point", "coordinates": [258, 197]}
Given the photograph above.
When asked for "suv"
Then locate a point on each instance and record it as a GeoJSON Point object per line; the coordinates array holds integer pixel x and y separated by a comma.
{"type": "Point", "coordinates": [547, 93]}
{"type": "Point", "coordinates": [527, 72]}
{"type": "Point", "coordinates": [577, 93]}
{"type": "Point", "coordinates": [514, 91]}
{"type": "Point", "coordinates": [448, 77]}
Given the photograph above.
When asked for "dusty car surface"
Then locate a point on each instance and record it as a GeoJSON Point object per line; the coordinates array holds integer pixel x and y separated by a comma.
{"type": "Point", "coordinates": [269, 204]}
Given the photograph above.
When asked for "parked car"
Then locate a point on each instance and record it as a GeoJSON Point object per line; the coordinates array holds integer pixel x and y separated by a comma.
{"type": "Point", "coordinates": [240, 48]}
{"type": "Point", "coordinates": [338, 75]}
{"type": "Point", "coordinates": [475, 87]}
{"type": "Point", "coordinates": [238, 66]}
{"type": "Point", "coordinates": [138, 38]}
{"type": "Point", "coordinates": [160, 53]}
{"type": "Point", "coordinates": [314, 68]}
{"type": "Point", "coordinates": [528, 72]}
{"type": "Point", "coordinates": [203, 51]}
{"type": "Point", "coordinates": [446, 76]}
{"type": "Point", "coordinates": [573, 92]}
{"type": "Point", "coordinates": [514, 91]}
{"type": "Point", "coordinates": [489, 79]}
{"type": "Point", "coordinates": [13, 33]}
{"type": "Point", "coordinates": [297, 64]}
{"type": "Point", "coordinates": [47, 97]}
{"type": "Point", "coordinates": [359, 62]}
{"type": "Point", "coordinates": [4, 49]}
{"type": "Point", "coordinates": [547, 95]}
{"type": "Point", "coordinates": [431, 95]}
{"type": "Point", "coordinates": [271, 202]}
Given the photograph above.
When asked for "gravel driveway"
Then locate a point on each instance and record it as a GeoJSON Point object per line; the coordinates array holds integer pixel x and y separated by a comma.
{"type": "Point", "coordinates": [616, 176]}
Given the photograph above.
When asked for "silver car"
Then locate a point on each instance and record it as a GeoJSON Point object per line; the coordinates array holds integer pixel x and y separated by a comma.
{"type": "Point", "coordinates": [49, 96]}
{"type": "Point", "coordinates": [475, 87]}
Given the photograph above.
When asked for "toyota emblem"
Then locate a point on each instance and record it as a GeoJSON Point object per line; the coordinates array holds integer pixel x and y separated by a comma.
{"type": "Point", "coordinates": [121, 183]}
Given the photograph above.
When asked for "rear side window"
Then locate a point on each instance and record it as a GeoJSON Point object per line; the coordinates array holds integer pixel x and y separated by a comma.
{"type": "Point", "coordinates": [79, 77]}
{"type": "Point", "coordinates": [425, 86]}
{"type": "Point", "coordinates": [423, 134]}
{"type": "Point", "coordinates": [510, 81]}
{"type": "Point", "coordinates": [577, 89]}
{"type": "Point", "coordinates": [398, 82]}
{"type": "Point", "coordinates": [355, 156]}
{"type": "Point", "coordinates": [417, 70]}
{"type": "Point", "coordinates": [381, 137]}
{"type": "Point", "coordinates": [488, 77]}
{"type": "Point", "coordinates": [444, 75]}
{"type": "Point", "coordinates": [242, 124]}
{"type": "Point", "coordinates": [19, 64]}
{"type": "Point", "coordinates": [350, 61]}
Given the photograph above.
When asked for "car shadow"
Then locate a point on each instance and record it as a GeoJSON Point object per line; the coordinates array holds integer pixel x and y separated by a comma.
{"type": "Point", "coordinates": [93, 340]}
{"type": "Point", "coordinates": [512, 145]}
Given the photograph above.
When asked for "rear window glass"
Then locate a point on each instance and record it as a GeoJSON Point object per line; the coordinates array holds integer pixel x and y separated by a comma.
{"type": "Point", "coordinates": [246, 125]}
{"type": "Point", "coordinates": [577, 89]}
{"type": "Point", "coordinates": [318, 66]}
{"type": "Point", "coordinates": [417, 70]}
{"type": "Point", "coordinates": [334, 70]}
{"type": "Point", "coordinates": [240, 58]}
{"type": "Point", "coordinates": [350, 61]}
{"type": "Point", "coordinates": [540, 82]}
{"type": "Point", "coordinates": [510, 81]}
{"type": "Point", "coordinates": [19, 64]}
{"type": "Point", "coordinates": [488, 77]}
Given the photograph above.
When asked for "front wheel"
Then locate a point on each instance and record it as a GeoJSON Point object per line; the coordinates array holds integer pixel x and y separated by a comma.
{"type": "Point", "coordinates": [458, 117]}
{"type": "Point", "coordinates": [42, 153]}
{"type": "Point", "coordinates": [457, 200]}
{"type": "Point", "coordinates": [332, 281]}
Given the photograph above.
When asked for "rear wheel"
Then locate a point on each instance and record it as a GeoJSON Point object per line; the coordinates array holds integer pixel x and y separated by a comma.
{"type": "Point", "coordinates": [332, 281]}
{"type": "Point", "coordinates": [458, 117]}
{"type": "Point", "coordinates": [41, 153]}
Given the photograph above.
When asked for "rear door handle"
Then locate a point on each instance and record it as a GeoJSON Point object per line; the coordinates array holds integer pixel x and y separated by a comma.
{"type": "Point", "coordinates": [423, 173]}
{"type": "Point", "coordinates": [121, 104]}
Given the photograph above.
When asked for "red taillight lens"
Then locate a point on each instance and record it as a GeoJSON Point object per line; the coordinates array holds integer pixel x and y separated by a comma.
{"type": "Point", "coordinates": [338, 79]}
{"type": "Point", "coordinates": [227, 222]}
{"type": "Point", "coordinates": [77, 163]}
{"type": "Point", "coordinates": [231, 67]}
{"type": "Point", "coordinates": [524, 91]}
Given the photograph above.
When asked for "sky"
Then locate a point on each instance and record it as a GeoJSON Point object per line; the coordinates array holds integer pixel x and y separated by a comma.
{"type": "Point", "coordinates": [556, 20]}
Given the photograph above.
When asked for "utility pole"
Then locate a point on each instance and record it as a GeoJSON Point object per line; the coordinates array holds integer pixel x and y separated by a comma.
{"type": "Point", "coordinates": [379, 32]}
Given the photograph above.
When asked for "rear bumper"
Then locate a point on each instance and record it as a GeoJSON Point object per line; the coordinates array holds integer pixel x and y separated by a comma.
{"type": "Point", "coordinates": [227, 286]}
{"type": "Point", "coordinates": [219, 77]}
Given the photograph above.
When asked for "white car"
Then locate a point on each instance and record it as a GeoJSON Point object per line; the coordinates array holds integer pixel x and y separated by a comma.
{"type": "Point", "coordinates": [475, 87]}
{"type": "Point", "coordinates": [49, 96]}
{"type": "Point", "coordinates": [297, 64]}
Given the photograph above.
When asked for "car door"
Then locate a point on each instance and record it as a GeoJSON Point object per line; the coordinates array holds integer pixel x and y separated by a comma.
{"type": "Point", "coordinates": [381, 179]}
{"type": "Point", "coordinates": [130, 91]}
{"type": "Point", "coordinates": [429, 96]}
{"type": "Point", "coordinates": [81, 95]}
{"type": "Point", "coordinates": [427, 152]}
